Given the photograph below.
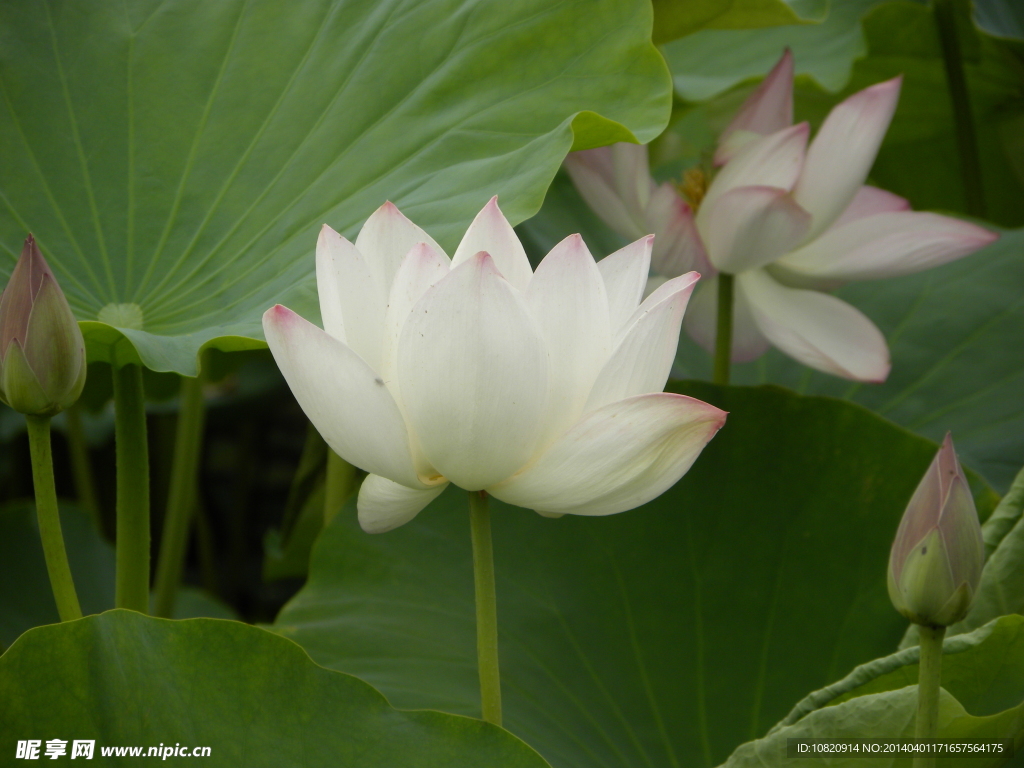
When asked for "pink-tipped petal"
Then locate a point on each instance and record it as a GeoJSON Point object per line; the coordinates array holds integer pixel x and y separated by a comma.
{"type": "Point", "coordinates": [617, 457]}
{"type": "Point", "coordinates": [771, 161]}
{"type": "Point", "coordinates": [871, 200]}
{"type": "Point", "coordinates": [748, 343]}
{"type": "Point", "coordinates": [474, 371]}
{"type": "Point", "coordinates": [625, 274]}
{"type": "Point", "coordinates": [749, 227]}
{"type": "Point", "coordinates": [385, 239]}
{"type": "Point", "coordinates": [768, 109]}
{"type": "Point", "coordinates": [384, 505]}
{"type": "Point", "coordinates": [491, 232]}
{"type": "Point", "coordinates": [567, 299]}
{"type": "Point", "coordinates": [887, 245]}
{"type": "Point", "coordinates": [352, 298]}
{"type": "Point", "coordinates": [843, 152]}
{"type": "Point", "coordinates": [643, 357]}
{"type": "Point", "coordinates": [817, 329]}
{"type": "Point", "coordinates": [348, 403]}
{"type": "Point", "coordinates": [593, 174]}
{"type": "Point", "coordinates": [677, 247]}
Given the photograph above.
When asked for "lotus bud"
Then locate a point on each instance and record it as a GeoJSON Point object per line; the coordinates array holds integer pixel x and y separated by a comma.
{"type": "Point", "coordinates": [936, 560]}
{"type": "Point", "coordinates": [42, 353]}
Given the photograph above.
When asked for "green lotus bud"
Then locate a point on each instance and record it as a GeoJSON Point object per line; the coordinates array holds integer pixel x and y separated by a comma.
{"type": "Point", "coordinates": [42, 353]}
{"type": "Point", "coordinates": [936, 560]}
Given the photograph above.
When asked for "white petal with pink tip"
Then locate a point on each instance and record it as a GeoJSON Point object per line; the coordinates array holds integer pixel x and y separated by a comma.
{"type": "Point", "coordinates": [352, 300]}
{"type": "Point", "coordinates": [625, 275]}
{"type": "Point", "coordinates": [345, 399]}
{"type": "Point", "coordinates": [617, 457]}
{"type": "Point", "coordinates": [817, 329]}
{"type": "Point", "coordinates": [385, 239]}
{"type": "Point", "coordinates": [491, 232]}
{"type": "Point", "coordinates": [843, 152]}
{"type": "Point", "coordinates": [643, 357]}
{"type": "Point", "coordinates": [768, 109]}
{"type": "Point", "coordinates": [567, 299]}
{"type": "Point", "coordinates": [886, 245]}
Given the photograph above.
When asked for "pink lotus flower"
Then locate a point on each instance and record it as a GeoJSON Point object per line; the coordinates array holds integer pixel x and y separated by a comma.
{"type": "Point", "coordinates": [542, 388]}
{"type": "Point", "coordinates": [789, 220]}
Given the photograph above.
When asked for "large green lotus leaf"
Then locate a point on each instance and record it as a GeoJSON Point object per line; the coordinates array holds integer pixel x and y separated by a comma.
{"type": "Point", "coordinates": [26, 599]}
{"type": "Point", "coordinates": [883, 716]}
{"type": "Point", "coordinates": [982, 668]}
{"type": "Point", "coordinates": [982, 673]}
{"type": "Point", "coordinates": [254, 698]}
{"type": "Point", "coordinates": [667, 635]}
{"type": "Point", "coordinates": [176, 158]}
{"type": "Point", "coordinates": [824, 52]}
{"type": "Point", "coordinates": [676, 18]}
{"type": "Point", "coordinates": [954, 333]}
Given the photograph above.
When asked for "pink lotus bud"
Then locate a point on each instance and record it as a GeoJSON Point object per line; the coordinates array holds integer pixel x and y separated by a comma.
{"type": "Point", "coordinates": [936, 560]}
{"type": "Point", "coordinates": [42, 353]}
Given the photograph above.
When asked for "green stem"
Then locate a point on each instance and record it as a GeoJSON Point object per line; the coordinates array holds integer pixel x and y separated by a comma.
{"type": "Point", "coordinates": [81, 467]}
{"type": "Point", "coordinates": [341, 477]}
{"type": "Point", "coordinates": [946, 13]}
{"type": "Point", "coordinates": [188, 442]}
{"type": "Point", "coordinates": [723, 333]}
{"type": "Point", "coordinates": [132, 580]}
{"type": "Point", "coordinates": [49, 519]}
{"type": "Point", "coordinates": [486, 607]}
{"type": "Point", "coordinates": [929, 678]}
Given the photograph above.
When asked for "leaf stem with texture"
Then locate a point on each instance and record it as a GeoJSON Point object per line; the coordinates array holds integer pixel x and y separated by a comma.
{"type": "Point", "coordinates": [486, 607]}
{"type": "Point", "coordinates": [49, 519]}
{"type": "Point", "coordinates": [181, 499]}
{"type": "Point", "coordinates": [133, 539]}
{"type": "Point", "coordinates": [723, 333]}
{"type": "Point", "coordinates": [929, 678]}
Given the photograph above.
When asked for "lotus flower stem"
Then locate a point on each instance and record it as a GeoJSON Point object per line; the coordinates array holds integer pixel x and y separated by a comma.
{"type": "Point", "coordinates": [81, 467]}
{"type": "Point", "coordinates": [341, 478]}
{"type": "Point", "coordinates": [181, 500]}
{"type": "Point", "coordinates": [486, 607]}
{"type": "Point", "coordinates": [929, 677]}
{"type": "Point", "coordinates": [49, 519]}
{"type": "Point", "coordinates": [723, 334]}
{"type": "Point", "coordinates": [132, 578]}
{"type": "Point", "coordinates": [963, 118]}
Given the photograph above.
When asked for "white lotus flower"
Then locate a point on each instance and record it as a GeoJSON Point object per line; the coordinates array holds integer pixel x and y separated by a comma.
{"type": "Point", "coordinates": [789, 220]}
{"type": "Point", "coordinates": [543, 389]}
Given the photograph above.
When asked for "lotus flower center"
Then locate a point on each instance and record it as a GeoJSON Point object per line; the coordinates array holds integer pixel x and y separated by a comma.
{"type": "Point", "coordinates": [694, 186]}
